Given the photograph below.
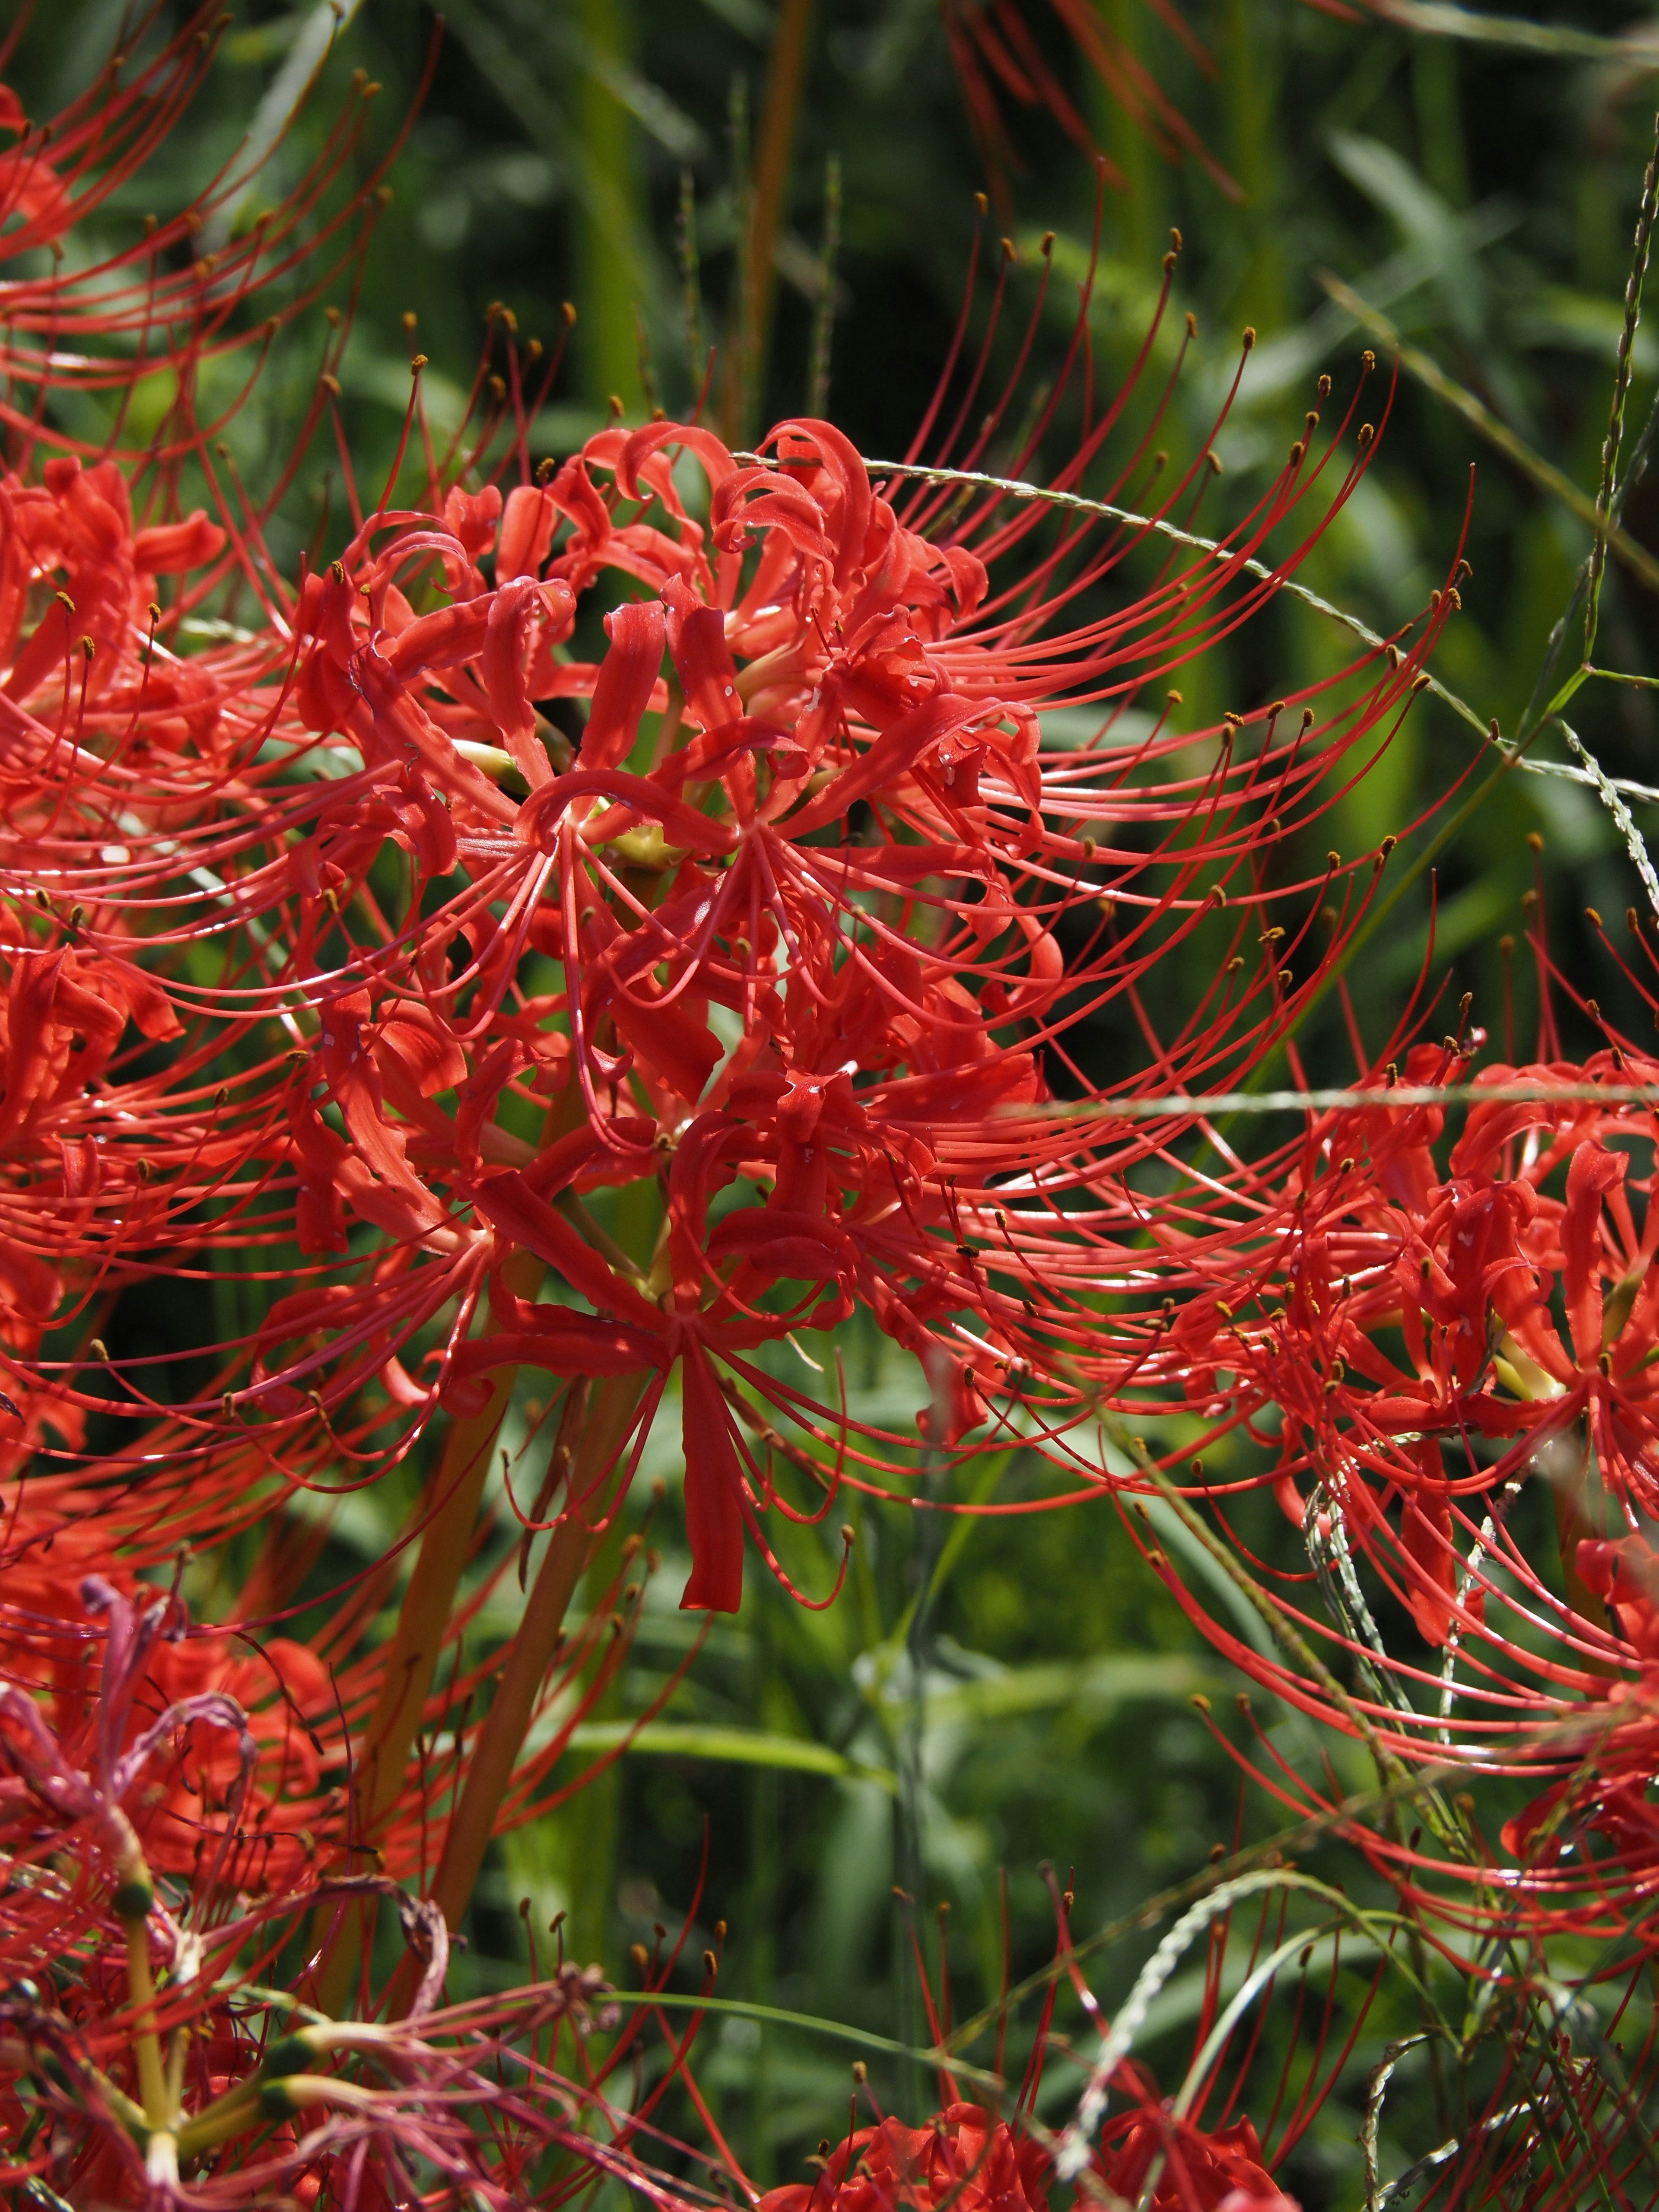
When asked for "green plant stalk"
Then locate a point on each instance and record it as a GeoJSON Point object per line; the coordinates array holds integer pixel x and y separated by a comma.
{"type": "Point", "coordinates": [220, 2122]}
{"type": "Point", "coordinates": [1252, 143]}
{"type": "Point", "coordinates": [1439, 118]}
{"type": "Point", "coordinates": [1621, 380]}
{"type": "Point", "coordinates": [611, 225]}
{"type": "Point", "coordinates": [690, 282]}
{"type": "Point", "coordinates": [1560, 41]}
{"type": "Point", "coordinates": [423, 1619]}
{"type": "Point", "coordinates": [146, 2043]}
{"type": "Point", "coordinates": [736, 370]}
{"type": "Point", "coordinates": [1480, 418]}
{"type": "Point", "coordinates": [823, 309]}
{"type": "Point", "coordinates": [1137, 217]}
{"type": "Point", "coordinates": [512, 1708]}
{"type": "Point", "coordinates": [134, 1897]}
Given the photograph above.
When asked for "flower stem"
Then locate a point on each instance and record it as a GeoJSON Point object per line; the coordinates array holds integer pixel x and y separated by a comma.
{"type": "Point", "coordinates": [134, 1896]}
{"type": "Point", "coordinates": [412, 1659]}
{"type": "Point", "coordinates": [146, 2044]}
{"type": "Point", "coordinates": [513, 1705]}
{"type": "Point", "coordinates": [226, 2118]}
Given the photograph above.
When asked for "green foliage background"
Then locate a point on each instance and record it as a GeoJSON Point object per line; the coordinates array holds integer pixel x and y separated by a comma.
{"type": "Point", "coordinates": [991, 1694]}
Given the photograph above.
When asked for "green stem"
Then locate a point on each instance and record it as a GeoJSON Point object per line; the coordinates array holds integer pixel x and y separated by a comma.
{"type": "Point", "coordinates": [146, 2043]}
{"type": "Point", "coordinates": [512, 1708]}
{"type": "Point", "coordinates": [824, 312]}
{"type": "Point", "coordinates": [422, 1621]}
{"type": "Point", "coordinates": [1480, 418]}
{"type": "Point", "coordinates": [611, 263]}
{"type": "Point", "coordinates": [1621, 378]}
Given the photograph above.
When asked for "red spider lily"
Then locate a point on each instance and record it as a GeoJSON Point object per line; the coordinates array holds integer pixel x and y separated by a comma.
{"type": "Point", "coordinates": [1433, 1337]}
{"type": "Point", "coordinates": [184, 293]}
{"type": "Point", "coordinates": [77, 524]}
{"type": "Point", "coordinates": [873, 673]}
{"type": "Point", "coordinates": [190, 2091]}
{"type": "Point", "coordinates": [1425, 1336]}
{"type": "Point", "coordinates": [1128, 2143]}
{"type": "Point", "coordinates": [878, 1095]}
{"type": "Point", "coordinates": [796, 939]}
{"type": "Point", "coordinates": [965, 2155]}
{"type": "Point", "coordinates": [1607, 1793]}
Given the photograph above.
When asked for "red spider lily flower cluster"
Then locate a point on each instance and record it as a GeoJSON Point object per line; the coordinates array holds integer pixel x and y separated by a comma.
{"type": "Point", "coordinates": [141, 2062]}
{"type": "Point", "coordinates": [789, 921]}
{"type": "Point", "coordinates": [689, 825]}
{"type": "Point", "coordinates": [1142, 2146]}
{"type": "Point", "coordinates": [1443, 1354]}
{"type": "Point", "coordinates": [965, 2155]}
{"type": "Point", "coordinates": [670, 821]}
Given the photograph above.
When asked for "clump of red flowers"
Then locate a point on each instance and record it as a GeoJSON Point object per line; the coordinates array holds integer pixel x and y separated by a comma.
{"type": "Point", "coordinates": [1429, 1324]}
{"type": "Point", "coordinates": [616, 919]}
{"type": "Point", "coordinates": [965, 2155]}
{"type": "Point", "coordinates": [804, 915]}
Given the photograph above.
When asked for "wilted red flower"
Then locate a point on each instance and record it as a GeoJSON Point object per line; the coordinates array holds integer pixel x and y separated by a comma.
{"type": "Point", "coordinates": [196, 2088]}
{"type": "Point", "coordinates": [193, 1778]}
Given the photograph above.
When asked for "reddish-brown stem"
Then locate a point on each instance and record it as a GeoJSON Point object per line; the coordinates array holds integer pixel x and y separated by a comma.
{"type": "Point", "coordinates": [773, 158]}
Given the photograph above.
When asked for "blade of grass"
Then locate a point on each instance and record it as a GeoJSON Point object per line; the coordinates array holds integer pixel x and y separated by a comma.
{"type": "Point", "coordinates": [1560, 41]}
{"type": "Point", "coordinates": [1621, 377]}
{"type": "Point", "coordinates": [1496, 433]}
{"type": "Point", "coordinates": [731, 1747]}
{"type": "Point", "coordinates": [286, 93]}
